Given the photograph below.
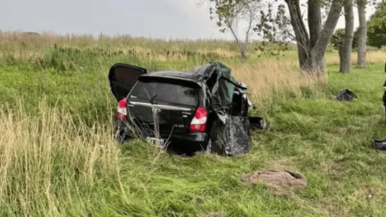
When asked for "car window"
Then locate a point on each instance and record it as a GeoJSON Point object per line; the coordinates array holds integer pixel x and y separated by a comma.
{"type": "Point", "coordinates": [174, 92]}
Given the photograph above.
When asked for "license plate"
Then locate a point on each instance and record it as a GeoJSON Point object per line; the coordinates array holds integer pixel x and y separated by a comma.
{"type": "Point", "coordinates": [155, 141]}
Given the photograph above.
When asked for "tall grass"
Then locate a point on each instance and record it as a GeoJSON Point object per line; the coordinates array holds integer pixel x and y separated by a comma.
{"type": "Point", "coordinates": [273, 77]}
{"type": "Point", "coordinates": [61, 159]}
{"type": "Point", "coordinates": [372, 57]}
{"type": "Point", "coordinates": [49, 166]}
{"type": "Point", "coordinates": [61, 162]}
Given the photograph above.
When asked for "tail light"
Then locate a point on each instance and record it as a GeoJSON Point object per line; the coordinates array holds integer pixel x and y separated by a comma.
{"type": "Point", "coordinates": [122, 109]}
{"type": "Point", "coordinates": [198, 123]}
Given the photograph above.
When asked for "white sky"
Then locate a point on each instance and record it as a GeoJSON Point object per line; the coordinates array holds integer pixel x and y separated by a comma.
{"type": "Point", "coordinates": [150, 18]}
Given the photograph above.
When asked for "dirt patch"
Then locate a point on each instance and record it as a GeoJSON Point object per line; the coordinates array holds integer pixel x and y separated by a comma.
{"type": "Point", "coordinates": [276, 178]}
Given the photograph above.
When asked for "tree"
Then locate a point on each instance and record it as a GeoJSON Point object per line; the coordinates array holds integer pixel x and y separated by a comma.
{"type": "Point", "coordinates": [337, 38]}
{"type": "Point", "coordinates": [346, 48]}
{"type": "Point", "coordinates": [377, 27]}
{"type": "Point", "coordinates": [312, 43]}
{"type": "Point", "coordinates": [362, 33]}
{"type": "Point", "coordinates": [312, 46]}
{"type": "Point", "coordinates": [230, 14]}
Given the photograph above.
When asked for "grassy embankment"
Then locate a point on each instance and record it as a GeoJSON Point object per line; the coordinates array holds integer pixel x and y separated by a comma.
{"type": "Point", "coordinates": [58, 158]}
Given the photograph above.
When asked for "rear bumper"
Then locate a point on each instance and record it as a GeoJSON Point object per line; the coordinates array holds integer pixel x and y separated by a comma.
{"type": "Point", "coordinates": [187, 142]}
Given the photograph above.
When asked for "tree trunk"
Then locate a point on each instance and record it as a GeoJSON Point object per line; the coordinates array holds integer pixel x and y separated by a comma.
{"type": "Point", "coordinates": [328, 29]}
{"type": "Point", "coordinates": [301, 35]}
{"type": "Point", "coordinates": [362, 34]}
{"type": "Point", "coordinates": [345, 64]}
{"type": "Point", "coordinates": [315, 66]}
{"type": "Point", "coordinates": [314, 20]}
{"type": "Point", "coordinates": [303, 55]}
{"type": "Point", "coordinates": [243, 53]}
{"type": "Point", "coordinates": [340, 52]}
{"type": "Point", "coordinates": [311, 52]}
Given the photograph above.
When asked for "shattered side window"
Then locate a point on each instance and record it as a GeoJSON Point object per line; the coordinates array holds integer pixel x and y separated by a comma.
{"type": "Point", "coordinates": [173, 92]}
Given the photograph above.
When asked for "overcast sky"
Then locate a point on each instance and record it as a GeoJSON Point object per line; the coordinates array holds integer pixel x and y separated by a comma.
{"type": "Point", "coordinates": [150, 18]}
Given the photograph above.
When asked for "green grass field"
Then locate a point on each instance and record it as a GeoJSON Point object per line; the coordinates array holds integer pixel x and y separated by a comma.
{"type": "Point", "coordinates": [58, 158]}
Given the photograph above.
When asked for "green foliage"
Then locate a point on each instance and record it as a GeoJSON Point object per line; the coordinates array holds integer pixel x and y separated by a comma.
{"type": "Point", "coordinates": [377, 27]}
{"type": "Point", "coordinates": [337, 38]}
{"type": "Point", "coordinates": [271, 25]}
{"type": "Point", "coordinates": [64, 59]}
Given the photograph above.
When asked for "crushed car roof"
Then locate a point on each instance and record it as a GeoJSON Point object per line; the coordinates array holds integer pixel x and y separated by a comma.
{"type": "Point", "coordinates": [175, 75]}
{"type": "Point", "coordinates": [197, 74]}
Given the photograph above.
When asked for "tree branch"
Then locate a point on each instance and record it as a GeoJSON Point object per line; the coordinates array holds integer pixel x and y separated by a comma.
{"type": "Point", "coordinates": [297, 23]}
{"type": "Point", "coordinates": [299, 28]}
{"type": "Point", "coordinates": [251, 18]}
{"type": "Point", "coordinates": [329, 27]}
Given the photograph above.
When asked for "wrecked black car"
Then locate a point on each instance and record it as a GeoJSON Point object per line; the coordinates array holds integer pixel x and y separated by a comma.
{"type": "Point", "coordinates": [204, 109]}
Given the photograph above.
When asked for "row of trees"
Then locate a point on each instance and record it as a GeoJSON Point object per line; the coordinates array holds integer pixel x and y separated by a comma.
{"type": "Point", "coordinates": [285, 21]}
{"type": "Point", "coordinates": [376, 33]}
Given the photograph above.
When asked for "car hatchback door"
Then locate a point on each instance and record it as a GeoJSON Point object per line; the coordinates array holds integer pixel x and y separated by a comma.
{"type": "Point", "coordinates": [122, 78]}
{"type": "Point", "coordinates": [174, 101]}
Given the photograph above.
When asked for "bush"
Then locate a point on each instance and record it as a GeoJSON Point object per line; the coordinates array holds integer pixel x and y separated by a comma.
{"type": "Point", "coordinates": [377, 27]}
{"type": "Point", "coordinates": [338, 37]}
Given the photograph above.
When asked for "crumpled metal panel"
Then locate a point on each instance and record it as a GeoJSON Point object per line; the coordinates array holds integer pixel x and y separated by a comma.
{"type": "Point", "coordinates": [232, 138]}
{"type": "Point", "coordinates": [221, 86]}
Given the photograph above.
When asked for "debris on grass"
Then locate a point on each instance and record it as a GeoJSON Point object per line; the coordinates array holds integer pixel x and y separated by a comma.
{"type": "Point", "coordinates": [275, 178]}
{"type": "Point", "coordinates": [379, 145]}
{"type": "Point", "coordinates": [258, 123]}
{"type": "Point", "coordinates": [346, 95]}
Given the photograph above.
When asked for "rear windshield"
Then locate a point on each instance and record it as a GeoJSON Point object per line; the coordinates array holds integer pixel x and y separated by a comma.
{"type": "Point", "coordinates": [167, 91]}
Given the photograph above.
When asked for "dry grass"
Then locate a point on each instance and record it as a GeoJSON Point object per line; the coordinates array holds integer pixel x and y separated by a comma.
{"type": "Point", "coordinates": [122, 41]}
{"type": "Point", "coordinates": [371, 57]}
{"type": "Point", "coordinates": [272, 76]}
{"type": "Point", "coordinates": [26, 47]}
{"type": "Point", "coordinates": [46, 160]}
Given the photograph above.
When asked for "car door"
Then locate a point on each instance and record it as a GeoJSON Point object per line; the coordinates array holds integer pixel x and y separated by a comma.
{"type": "Point", "coordinates": [123, 77]}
